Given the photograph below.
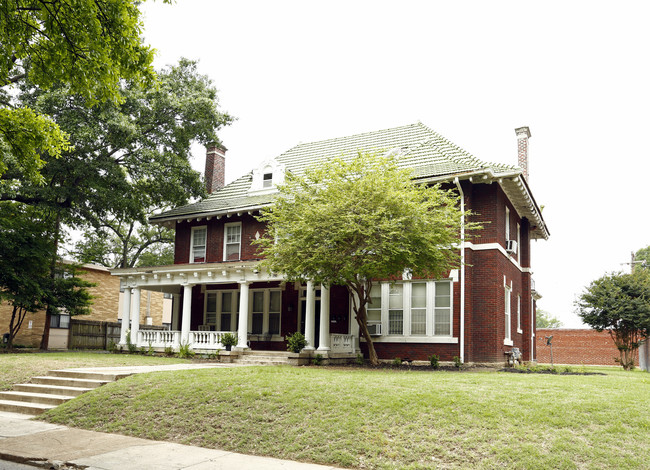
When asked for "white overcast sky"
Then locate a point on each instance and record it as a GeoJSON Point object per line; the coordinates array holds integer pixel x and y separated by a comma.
{"type": "Point", "coordinates": [577, 73]}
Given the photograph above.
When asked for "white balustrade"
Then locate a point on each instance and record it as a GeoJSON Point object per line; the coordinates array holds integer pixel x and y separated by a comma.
{"type": "Point", "coordinates": [341, 343]}
{"type": "Point", "coordinates": [197, 339]}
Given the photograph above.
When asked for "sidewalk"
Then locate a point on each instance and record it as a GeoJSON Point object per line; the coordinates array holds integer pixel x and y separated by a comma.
{"type": "Point", "coordinates": [46, 445]}
{"type": "Point", "coordinates": [52, 446]}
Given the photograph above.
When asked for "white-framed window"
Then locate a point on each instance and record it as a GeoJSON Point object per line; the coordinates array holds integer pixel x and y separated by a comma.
{"type": "Point", "coordinates": [442, 326]}
{"type": "Point", "coordinates": [221, 310]}
{"type": "Point", "coordinates": [198, 244]}
{"type": "Point", "coordinates": [508, 291]}
{"type": "Point", "coordinates": [519, 314]}
{"type": "Point", "coordinates": [396, 309]}
{"type": "Point", "coordinates": [417, 308]}
{"type": "Point", "coordinates": [267, 180]}
{"type": "Point", "coordinates": [518, 243]}
{"type": "Point", "coordinates": [265, 311]}
{"type": "Point", "coordinates": [232, 241]}
{"type": "Point", "coordinates": [507, 223]}
{"type": "Point", "coordinates": [373, 309]}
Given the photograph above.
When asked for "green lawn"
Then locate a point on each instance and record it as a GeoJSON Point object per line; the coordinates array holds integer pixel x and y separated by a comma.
{"type": "Point", "coordinates": [19, 368]}
{"type": "Point", "coordinates": [383, 418]}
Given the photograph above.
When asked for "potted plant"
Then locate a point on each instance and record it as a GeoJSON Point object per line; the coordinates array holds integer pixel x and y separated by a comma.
{"type": "Point", "coordinates": [228, 340]}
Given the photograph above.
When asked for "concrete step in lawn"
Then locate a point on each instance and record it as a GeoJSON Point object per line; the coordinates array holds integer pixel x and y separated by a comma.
{"type": "Point", "coordinates": [47, 392]}
{"type": "Point", "coordinates": [263, 358]}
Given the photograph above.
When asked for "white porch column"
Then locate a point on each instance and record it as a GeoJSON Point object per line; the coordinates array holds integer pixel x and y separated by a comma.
{"type": "Point", "coordinates": [310, 316]}
{"type": "Point", "coordinates": [242, 328]}
{"type": "Point", "coordinates": [187, 313]}
{"type": "Point", "coordinates": [324, 331]}
{"type": "Point", "coordinates": [126, 308]}
{"type": "Point", "coordinates": [135, 318]}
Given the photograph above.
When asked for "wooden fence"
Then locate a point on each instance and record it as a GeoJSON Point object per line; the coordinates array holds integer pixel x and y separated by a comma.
{"type": "Point", "coordinates": [89, 334]}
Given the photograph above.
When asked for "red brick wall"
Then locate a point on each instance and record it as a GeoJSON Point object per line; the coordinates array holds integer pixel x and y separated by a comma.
{"type": "Point", "coordinates": [214, 248]}
{"type": "Point", "coordinates": [577, 346]}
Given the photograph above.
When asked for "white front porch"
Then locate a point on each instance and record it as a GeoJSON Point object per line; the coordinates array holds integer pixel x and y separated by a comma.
{"type": "Point", "coordinates": [180, 280]}
{"type": "Point", "coordinates": [210, 341]}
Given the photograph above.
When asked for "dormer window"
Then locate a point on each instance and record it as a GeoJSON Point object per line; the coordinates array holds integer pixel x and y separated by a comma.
{"type": "Point", "coordinates": [267, 177]}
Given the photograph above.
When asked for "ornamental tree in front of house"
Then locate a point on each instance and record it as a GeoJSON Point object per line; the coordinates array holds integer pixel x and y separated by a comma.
{"type": "Point", "coordinates": [354, 222]}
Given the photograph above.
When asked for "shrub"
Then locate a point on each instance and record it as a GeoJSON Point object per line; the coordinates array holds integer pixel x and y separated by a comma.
{"type": "Point", "coordinates": [111, 347]}
{"type": "Point", "coordinates": [317, 360]}
{"type": "Point", "coordinates": [184, 351]}
{"type": "Point", "coordinates": [133, 348]}
{"type": "Point", "coordinates": [296, 342]}
{"type": "Point", "coordinates": [458, 364]}
{"type": "Point", "coordinates": [434, 360]}
{"type": "Point", "coordinates": [150, 350]}
{"type": "Point", "coordinates": [169, 351]}
{"type": "Point", "coordinates": [360, 361]}
{"type": "Point", "coordinates": [397, 362]}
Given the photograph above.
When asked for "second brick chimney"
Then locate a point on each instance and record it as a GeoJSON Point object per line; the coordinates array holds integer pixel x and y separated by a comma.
{"type": "Point", "coordinates": [523, 134]}
{"type": "Point", "coordinates": [215, 167]}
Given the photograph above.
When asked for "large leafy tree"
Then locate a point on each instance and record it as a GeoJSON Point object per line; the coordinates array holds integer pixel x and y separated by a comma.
{"type": "Point", "coordinates": [353, 222]}
{"type": "Point", "coordinates": [620, 304]}
{"type": "Point", "coordinates": [128, 160]}
{"type": "Point", "coordinates": [642, 259]}
{"type": "Point", "coordinates": [27, 281]}
{"type": "Point", "coordinates": [90, 45]}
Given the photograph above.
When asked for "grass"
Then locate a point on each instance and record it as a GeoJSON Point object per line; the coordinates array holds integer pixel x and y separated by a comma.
{"type": "Point", "coordinates": [384, 419]}
{"type": "Point", "coordinates": [19, 368]}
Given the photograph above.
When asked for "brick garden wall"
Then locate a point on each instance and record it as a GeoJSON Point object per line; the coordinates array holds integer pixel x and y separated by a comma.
{"type": "Point", "coordinates": [577, 346]}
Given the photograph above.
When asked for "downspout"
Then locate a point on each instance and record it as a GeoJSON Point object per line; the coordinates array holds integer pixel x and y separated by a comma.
{"type": "Point", "coordinates": [462, 270]}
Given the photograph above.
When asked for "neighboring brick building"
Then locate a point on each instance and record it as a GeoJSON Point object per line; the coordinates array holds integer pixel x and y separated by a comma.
{"type": "Point", "coordinates": [106, 300]}
{"type": "Point", "coordinates": [577, 346]}
{"type": "Point", "coordinates": [219, 286]}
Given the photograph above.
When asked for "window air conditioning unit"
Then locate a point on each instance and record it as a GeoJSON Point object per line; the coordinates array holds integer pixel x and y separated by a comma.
{"type": "Point", "coordinates": [374, 329]}
{"type": "Point", "coordinates": [511, 246]}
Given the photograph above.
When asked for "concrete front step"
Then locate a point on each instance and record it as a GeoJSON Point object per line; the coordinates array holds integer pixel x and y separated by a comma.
{"type": "Point", "coordinates": [31, 397]}
{"type": "Point", "coordinates": [51, 389]}
{"type": "Point", "coordinates": [73, 374]}
{"type": "Point", "coordinates": [69, 382]}
{"type": "Point", "coordinates": [267, 353]}
{"type": "Point", "coordinates": [24, 407]}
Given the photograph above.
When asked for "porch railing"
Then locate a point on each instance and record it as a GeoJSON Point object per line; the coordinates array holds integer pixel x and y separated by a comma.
{"type": "Point", "coordinates": [341, 343]}
{"type": "Point", "coordinates": [197, 339]}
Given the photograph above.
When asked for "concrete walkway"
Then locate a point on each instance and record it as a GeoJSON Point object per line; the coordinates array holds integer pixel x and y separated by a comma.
{"type": "Point", "coordinates": [48, 445]}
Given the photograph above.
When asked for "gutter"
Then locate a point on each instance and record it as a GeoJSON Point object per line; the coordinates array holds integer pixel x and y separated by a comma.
{"type": "Point", "coordinates": [462, 270]}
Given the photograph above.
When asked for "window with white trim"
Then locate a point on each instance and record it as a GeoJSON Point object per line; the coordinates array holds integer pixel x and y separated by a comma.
{"type": "Point", "coordinates": [267, 180]}
{"type": "Point", "coordinates": [518, 243]}
{"type": "Point", "coordinates": [412, 308]}
{"type": "Point", "coordinates": [419, 308]}
{"type": "Point", "coordinates": [396, 309]}
{"type": "Point", "coordinates": [442, 308]}
{"type": "Point", "coordinates": [198, 244]}
{"type": "Point", "coordinates": [519, 314]}
{"type": "Point", "coordinates": [219, 308]}
{"type": "Point", "coordinates": [373, 309]}
{"type": "Point", "coordinates": [266, 306]}
{"type": "Point", "coordinates": [507, 223]}
{"type": "Point", "coordinates": [508, 335]}
{"type": "Point", "coordinates": [232, 241]}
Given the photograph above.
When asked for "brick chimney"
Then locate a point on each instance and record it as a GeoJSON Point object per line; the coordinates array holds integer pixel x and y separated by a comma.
{"type": "Point", "coordinates": [215, 167]}
{"type": "Point", "coordinates": [523, 134]}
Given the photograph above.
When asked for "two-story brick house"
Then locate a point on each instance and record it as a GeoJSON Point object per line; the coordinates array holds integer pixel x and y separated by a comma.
{"type": "Point", "coordinates": [478, 312]}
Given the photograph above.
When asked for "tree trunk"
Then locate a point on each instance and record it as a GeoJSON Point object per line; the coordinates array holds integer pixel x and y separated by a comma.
{"type": "Point", "coordinates": [362, 319]}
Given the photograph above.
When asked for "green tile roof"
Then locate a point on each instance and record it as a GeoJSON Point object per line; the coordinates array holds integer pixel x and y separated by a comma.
{"type": "Point", "coordinates": [428, 153]}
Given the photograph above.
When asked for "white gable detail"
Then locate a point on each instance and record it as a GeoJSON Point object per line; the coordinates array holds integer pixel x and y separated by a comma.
{"type": "Point", "coordinates": [266, 177]}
